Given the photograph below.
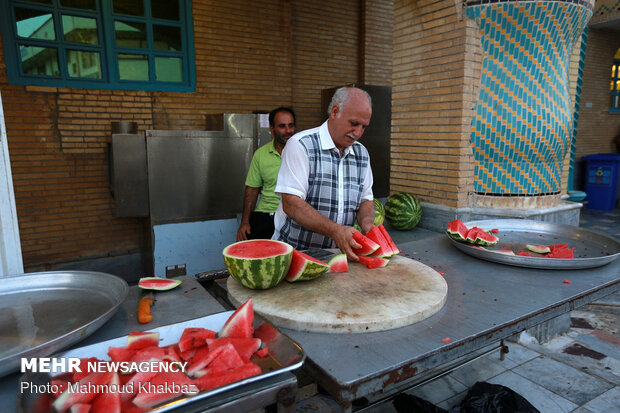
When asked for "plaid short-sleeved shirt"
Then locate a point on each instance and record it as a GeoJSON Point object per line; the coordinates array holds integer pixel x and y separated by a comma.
{"type": "Point", "coordinates": [336, 185]}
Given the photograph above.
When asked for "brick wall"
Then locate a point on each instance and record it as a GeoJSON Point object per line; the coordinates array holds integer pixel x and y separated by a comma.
{"type": "Point", "coordinates": [597, 127]}
{"type": "Point", "coordinates": [436, 71]}
{"type": "Point", "coordinates": [249, 55]}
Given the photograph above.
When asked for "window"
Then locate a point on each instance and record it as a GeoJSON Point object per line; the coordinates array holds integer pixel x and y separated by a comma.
{"type": "Point", "coordinates": [99, 44]}
{"type": "Point", "coordinates": [614, 87]}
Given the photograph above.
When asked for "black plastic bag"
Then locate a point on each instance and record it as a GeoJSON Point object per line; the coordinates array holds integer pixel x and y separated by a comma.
{"type": "Point", "coordinates": [408, 403]}
{"type": "Point", "coordinates": [493, 398]}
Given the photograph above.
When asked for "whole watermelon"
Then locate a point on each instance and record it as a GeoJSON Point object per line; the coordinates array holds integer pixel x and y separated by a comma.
{"type": "Point", "coordinates": [403, 211]}
{"type": "Point", "coordinates": [379, 215]}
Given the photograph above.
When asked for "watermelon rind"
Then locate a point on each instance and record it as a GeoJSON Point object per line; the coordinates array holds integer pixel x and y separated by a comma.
{"type": "Point", "coordinates": [157, 283]}
{"type": "Point", "coordinates": [457, 230]}
{"type": "Point", "coordinates": [485, 239]}
{"type": "Point", "coordinates": [258, 273]}
{"type": "Point", "coordinates": [403, 211]}
{"type": "Point", "coordinates": [541, 249]}
{"type": "Point", "coordinates": [338, 263]}
{"type": "Point", "coordinates": [305, 268]}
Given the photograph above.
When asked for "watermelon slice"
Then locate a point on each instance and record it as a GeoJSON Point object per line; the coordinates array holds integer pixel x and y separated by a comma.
{"type": "Point", "coordinates": [108, 402]}
{"type": "Point", "coordinates": [368, 246]}
{"type": "Point", "coordinates": [386, 235]}
{"type": "Point", "coordinates": [338, 264]}
{"type": "Point", "coordinates": [227, 359]}
{"type": "Point", "coordinates": [142, 339]}
{"type": "Point", "coordinates": [244, 346]}
{"type": "Point", "coordinates": [133, 384]}
{"type": "Point", "coordinates": [194, 337]}
{"type": "Point", "coordinates": [79, 375]}
{"type": "Point", "coordinates": [373, 262]}
{"type": "Point", "coordinates": [240, 323]}
{"type": "Point", "coordinates": [201, 359]}
{"type": "Point", "coordinates": [561, 253]}
{"type": "Point", "coordinates": [148, 354]}
{"type": "Point", "coordinates": [263, 352]}
{"type": "Point", "coordinates": [163, 381]}
{"type": "Point", "coordinates": [524, 254]}
{"type": "Point", "coordinates": [304, 267]}
{"type": "Point", "coordinates": [69, 398]}
{"type": "Point", "coordinates": [541, 249]}
{"type": "Point", "coordinates": [157, 283]}
{"type": "Point", "coordinates": [505, 252]}
{"type": "Point", "coordinates": [121, 353]}
{"type": "Point", "coordinates": [211, 381]}
{"type": "Point", "coordinates": [385, 249]}
{"type": "Point", "coordinates": [457, 230]}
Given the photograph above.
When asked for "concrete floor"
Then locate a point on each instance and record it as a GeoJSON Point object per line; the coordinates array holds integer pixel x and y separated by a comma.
{"type": "Point", "coordinates": [577, 371]}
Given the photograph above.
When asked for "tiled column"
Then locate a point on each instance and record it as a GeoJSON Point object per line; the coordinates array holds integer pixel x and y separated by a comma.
{"type": "Point", "coordinates": [523, 119]}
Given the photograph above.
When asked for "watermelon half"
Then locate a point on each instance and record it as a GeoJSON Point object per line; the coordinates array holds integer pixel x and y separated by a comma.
{"type": "Point", "coordinates": [258, 264]}
{"type": "Point", "coordinates": [304, 267]}
{"type": "Point", "coordinates": [403, 211]}
{"type": "Point", "coordinates": [157, 283]}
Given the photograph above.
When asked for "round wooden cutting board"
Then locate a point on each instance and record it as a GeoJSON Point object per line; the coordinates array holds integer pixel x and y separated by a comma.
{"type": "Point", "coordinates": [362, 300]}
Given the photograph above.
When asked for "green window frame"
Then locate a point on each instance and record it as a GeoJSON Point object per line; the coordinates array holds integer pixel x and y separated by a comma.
{"type": "Point", "coordinates": [99, 44]}
{"type": "Point", "coordinates": [614, 87]}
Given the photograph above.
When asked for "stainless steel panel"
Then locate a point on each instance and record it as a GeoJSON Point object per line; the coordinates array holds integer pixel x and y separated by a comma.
{"type": "Point", "coordinates": [193, 177]}
{"type": "Point", "coordinates": [239, 125]}
{"type": "Point", "coordinates": [284, 355]}
{"type": "Point", "coordinates": [592, 249]}
{"type": "Point", "coordinates": [129, 175]}
{"type": "Point", "coordinates": [378, 134]}
{"type": "Point", "coordinates": [42, 313]}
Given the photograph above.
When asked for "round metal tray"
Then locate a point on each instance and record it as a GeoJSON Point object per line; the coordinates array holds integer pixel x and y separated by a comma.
{"type": "Point", "coordinates": [591, 248]}
{"type": "Point", "coordinates": [42, 313]}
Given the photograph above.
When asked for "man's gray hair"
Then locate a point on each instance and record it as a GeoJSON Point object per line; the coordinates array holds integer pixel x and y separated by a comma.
{"type": "Point", "coordinates": [341, 98]}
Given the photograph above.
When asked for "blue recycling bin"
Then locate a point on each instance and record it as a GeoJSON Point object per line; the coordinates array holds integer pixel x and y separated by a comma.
{"type": "Point", "coordinates": [602, 180]}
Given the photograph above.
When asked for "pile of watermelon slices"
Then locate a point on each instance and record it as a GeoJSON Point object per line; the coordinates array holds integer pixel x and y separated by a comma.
{"type": "Point", "coordinates": [478, 236]}
{"type": "Point", "coordinates": [214, 360]}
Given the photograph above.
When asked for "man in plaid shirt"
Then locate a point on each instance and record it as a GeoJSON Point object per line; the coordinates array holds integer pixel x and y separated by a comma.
{"type": "Point", "coordinates": [325, 181]}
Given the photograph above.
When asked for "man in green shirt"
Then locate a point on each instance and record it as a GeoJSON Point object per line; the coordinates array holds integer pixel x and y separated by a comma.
{"type": "Point", "coordinates": [257, 218]}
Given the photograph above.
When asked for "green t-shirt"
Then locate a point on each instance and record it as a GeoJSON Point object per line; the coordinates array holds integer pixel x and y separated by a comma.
{"type": "Point", "coordinates": [263, 174]}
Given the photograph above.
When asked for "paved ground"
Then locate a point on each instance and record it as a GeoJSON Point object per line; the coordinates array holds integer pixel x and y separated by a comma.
{"type": "Point", "coordinates": [578, 371]}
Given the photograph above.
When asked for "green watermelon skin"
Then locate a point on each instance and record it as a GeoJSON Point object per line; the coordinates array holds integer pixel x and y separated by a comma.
{"type": "Point", "coordinates": [379, 215]}
{"type": "Point", "coordinates": [260, 272]}
{"type": "Point", "coordinates": [403, 211]}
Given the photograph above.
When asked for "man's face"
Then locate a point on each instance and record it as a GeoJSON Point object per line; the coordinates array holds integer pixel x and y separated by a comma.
{"type": "Point", "coordinates": [348, 125]}
{"type": "Point", "coordinates": [283, 127]}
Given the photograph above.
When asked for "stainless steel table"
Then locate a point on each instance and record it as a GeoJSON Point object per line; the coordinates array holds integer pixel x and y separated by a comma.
{"type": "Point", "coordinates": [486, 303]}
{"type": "Point", "coordinates": [188, 301]}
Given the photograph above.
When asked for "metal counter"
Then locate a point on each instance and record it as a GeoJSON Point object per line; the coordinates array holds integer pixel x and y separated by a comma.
{"type": "Point", "coordinates": [188, 301]}
{"type": "Point", "coordinates": [487, 302]}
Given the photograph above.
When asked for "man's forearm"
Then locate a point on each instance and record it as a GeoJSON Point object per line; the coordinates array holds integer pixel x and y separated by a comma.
{"type": "Point", "coordinates": [306, 216]}
{"type": "Point", "coordinates": [366, 215]}
{"type": "Point", "coordinates": [249, 203]}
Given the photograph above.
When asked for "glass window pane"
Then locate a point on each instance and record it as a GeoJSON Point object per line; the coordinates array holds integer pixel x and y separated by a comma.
{"type": "Point", "coordinates": [34, 24]}
{"type": "Point", "coordinates": [129, 34]}
{"type": "Point", "coordinates": [133, 67]}
{"type": "Point", "coordinates": [42, 1]}
{"type": "Point", "coordinates": [80, 29]}
{"type": "Point", "coordinates": [39, 60]}
{"type": "Point", "coordinates": [129, 7]}
{"type": "Point", "coordinates": [165, 9]}
{"type": "Point", "coordinates": [79, 4]}
{"type": "Point", "coordinates": [167, 38]}
{"type": "Point", "coordinates": [168, 69]}
{"type": "Point", "coordinates": [85, 65]}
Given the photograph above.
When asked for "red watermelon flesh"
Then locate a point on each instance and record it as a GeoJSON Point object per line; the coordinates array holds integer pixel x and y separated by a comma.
{"type": "Point", "coordinates": [158, 283]}
{"type": "Point", "coordinates": [386, 235]}
{"type": "Point", "coordinates": [304, 267]}
{"type": "Point", "coordinates": [244, 346]}
{"type": "Point", "coordinates": [257, 249]}
{"type": "Point", "coordinates": [240, 323]}
{"type": "Point", "coordinates": [554, 247]}
{"type": "Point", "coordinates": [211, 381]}
{"type": "Point", "coordinates": [338, 264]}
{"type": "Point", "coordinates": [108, 402]}
{"type": "Point", "coordinates": [172, 353]}
{"type": "Point", "coordinates": [148, 354]}
{"type": "Point", "coordinates": [164, 380]}
{"type": "Point", "coordinates": [134, 382]}
{"type": "Point", "coordinates": [385, 249]}
{"type": "Point", "coordinates": [373, 262]}
{"type": "Point", "coordinates": [524, 254]}
{"type": "Point", "coordinates": [187, 355]}
{"type": "Point", "coordinates": [79, 375]}
{"type": "Point", "coordinates": [267, 333]}
{"type": "Point", "coordinates": [194, 337]}
{"type": "Point", "coordinates": [201, 359]}
{"type": "Point", "coordinates": [69, 398]}
{"type": "Point", "coordinates": [368, 246]}
{"type": "Point", "coordinates": [121, 353]}
{"type": "Point", "coordinates": [263, 352]}
{"type": "Point", "coordinates": [561, 253]}
{"type": "Point", "coordinates": [227, 359]}
{"type": "Point", "coordinates": [142, 339]}
{"type": "Point", "coordinates": [80, 408]}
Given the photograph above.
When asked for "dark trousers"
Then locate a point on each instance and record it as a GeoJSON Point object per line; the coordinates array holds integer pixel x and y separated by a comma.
{"type": "Point", "coordinates": [261, 225]}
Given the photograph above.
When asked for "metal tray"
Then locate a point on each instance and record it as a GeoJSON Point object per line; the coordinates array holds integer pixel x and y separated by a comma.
{"type": "Point", "coordinates": [42, 313]}
{"type": "Point", "coordinates": [592, 249]}
{"type": "Point", "coordinates": [284, 355]}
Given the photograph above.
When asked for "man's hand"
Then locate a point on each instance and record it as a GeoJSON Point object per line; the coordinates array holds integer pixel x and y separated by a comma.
{"type": "Point", "coordinates": [243, 231]}
{"type": "Point", "coordinates": [343, 237]}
